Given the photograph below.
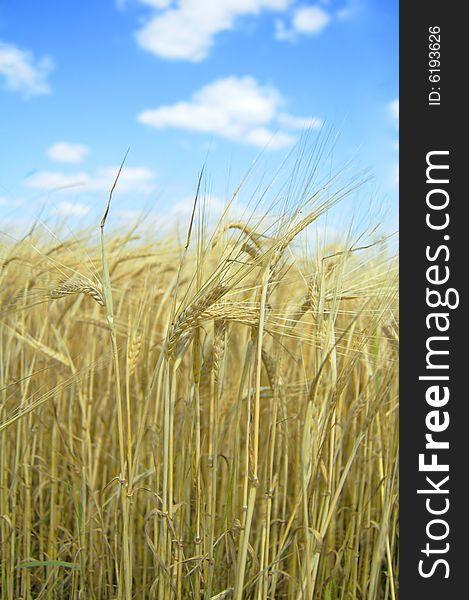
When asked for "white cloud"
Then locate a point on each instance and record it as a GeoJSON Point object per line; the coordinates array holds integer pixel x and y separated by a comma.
{"type": "Point", "coordinates": [310, 19]}
{"type": "Point", "coordinates": [186, 29]}
{"type": "Point", "coordinates": [54, 180]}
{"type": "Point", "coordinates": [306, 20]}
{"type": "Point", "coordinates": [22, 73]}
{"type": "Point", "coordinates": [72, 209]}
{"type": "Point", "coordinates": [394, 109]}
{"type": "Point", "coordinates": [235, 108]}
{"type": "Point", "coordinates": [134, 179]}
{"type": "Point", "coordinates": [66, 152]}
{"type": "Point", "coordinates": [230, 105]}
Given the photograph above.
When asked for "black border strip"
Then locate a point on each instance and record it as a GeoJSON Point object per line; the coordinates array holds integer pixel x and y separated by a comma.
{"type": "Point", "coordinates": [434, 255]}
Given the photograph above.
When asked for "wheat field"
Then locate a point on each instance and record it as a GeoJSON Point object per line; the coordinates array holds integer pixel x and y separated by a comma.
{"type": "Point", "coordinates": [206, 415]}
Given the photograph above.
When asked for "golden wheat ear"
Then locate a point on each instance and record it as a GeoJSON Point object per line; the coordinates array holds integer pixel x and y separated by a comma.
{"type": "Point", "coordinates": [80, 285]}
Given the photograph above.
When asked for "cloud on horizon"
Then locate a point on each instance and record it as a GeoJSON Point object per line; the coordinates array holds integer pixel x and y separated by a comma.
{"type": "Point", "coordinates": [71, 209]}
{"type": "Point", "coordinates": [135, 179]}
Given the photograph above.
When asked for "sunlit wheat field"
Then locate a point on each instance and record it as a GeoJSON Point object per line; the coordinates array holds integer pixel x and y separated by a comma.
{"type": "Point", "coordinates": [205, 412]}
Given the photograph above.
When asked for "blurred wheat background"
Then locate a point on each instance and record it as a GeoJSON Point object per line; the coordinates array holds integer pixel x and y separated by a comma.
{"type": "Point", "coordinates": [212, 415]}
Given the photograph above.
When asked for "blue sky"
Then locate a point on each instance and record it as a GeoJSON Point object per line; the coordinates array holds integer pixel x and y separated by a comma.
{"type": "Point", "coordinates": [182, 83]}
